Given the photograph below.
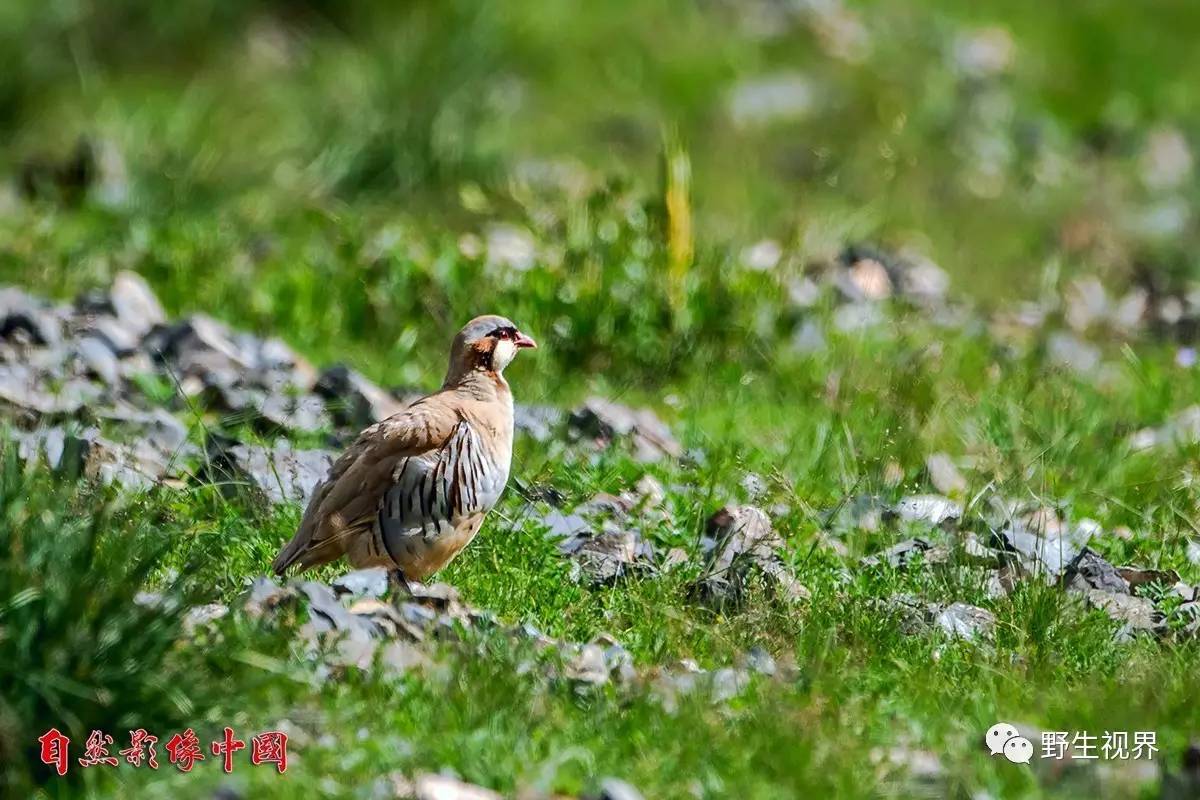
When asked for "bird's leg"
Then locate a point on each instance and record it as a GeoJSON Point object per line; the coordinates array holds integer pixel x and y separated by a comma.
{"type": "Point", "coordinates": [398, 584]}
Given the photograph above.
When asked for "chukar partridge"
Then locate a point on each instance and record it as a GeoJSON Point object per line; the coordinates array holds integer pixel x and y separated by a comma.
{"type": "Point", "coordinates": [413, 489]}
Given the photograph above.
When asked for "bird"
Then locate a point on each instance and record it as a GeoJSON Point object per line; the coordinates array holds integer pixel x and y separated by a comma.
{"type": "Point", "coordinates": [413, 489]}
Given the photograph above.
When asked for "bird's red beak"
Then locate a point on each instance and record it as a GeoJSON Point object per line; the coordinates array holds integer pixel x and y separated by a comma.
{"type": "Point", "coordinates": [524, 341]}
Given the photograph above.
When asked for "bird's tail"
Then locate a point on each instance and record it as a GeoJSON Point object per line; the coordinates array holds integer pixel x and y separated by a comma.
{"type": "Point", "coordinates": [287, 556]}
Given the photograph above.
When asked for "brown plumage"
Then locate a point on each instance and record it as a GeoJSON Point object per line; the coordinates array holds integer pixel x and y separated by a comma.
{"type": "Point", "coordinates": [413, 489]}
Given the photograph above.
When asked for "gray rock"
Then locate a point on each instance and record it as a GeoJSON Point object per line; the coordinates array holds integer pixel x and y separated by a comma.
{"type": "Point", "coordinates": [282, 473]}
{"type": "Point", "coordinates": [601, 540]}
{"type": "Point", "coordinates": [86, 454]}
{"type": "Point", "coordinates": [561, 526]}
{"type": "Point", "coordinates": [1089, 571]}
{"type": "Point", "coordinates": [616, 789]}
{"type": "Point", "coordinates": [753, 485]}
{"type": "Point", "coordinates": [370, 582]}
{"type": "Point", "coordinates": [608, 555]}
{"type": "Point", "coordinates": [98, 360]}
{"type": "Point", "coordinates": [540, 423]}
{"type": "Point", "coordinates": [327, 615]}
{"type": "Point", "coordinates": [756, 659]}
{"type": "Point", "coordinates": [25, 319]}
{"type": "Point", "coordinates": [109, 331]}
{"type": "Point", "coordinates": [134, 304]}
{"type": "Point", "coordinates": [1044, 553]}
{"type": "Point", "coordinates": [587, 666]}
{"type": "Point", "coordinates": [263, 596]}
{"type": "Point", "coordinates": [301, 414]}
{"type": "Point", "coordinates": [28, 396]}
{"type": "Point", "coordinates": [945, 475]}
{"type": "Point", "coordinates": [157, 427]}
{"type": "Point", "coordinates": [931, 508]}
{"type": "Point", "coordinates": [352, 400]}
{"type": "Point", "coordinates": [1066, 350]}
{"type": "Point", "coordinates": [743, 542]}
{"type": "Point", "coordinates": [904, 554]}
{"type": "Point", "coordinates": [964, 621]}
{"type": "Point", "coordinates": [606, 422]}
{"type": "Point", "coordinates": [1136, 613]}
{"type": "Point", "coordinates": [199, 616]}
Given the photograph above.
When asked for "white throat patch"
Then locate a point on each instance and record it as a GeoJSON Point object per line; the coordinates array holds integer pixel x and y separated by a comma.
{"type": "Point", "coordinates": [503, 354]}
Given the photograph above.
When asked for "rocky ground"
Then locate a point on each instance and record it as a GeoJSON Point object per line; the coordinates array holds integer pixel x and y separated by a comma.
{"type": "Point", "coordinates": [109, 388]}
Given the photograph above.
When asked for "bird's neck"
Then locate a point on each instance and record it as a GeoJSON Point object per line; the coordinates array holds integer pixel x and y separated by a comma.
{"type": "Point", "coordinates": [482, 384]}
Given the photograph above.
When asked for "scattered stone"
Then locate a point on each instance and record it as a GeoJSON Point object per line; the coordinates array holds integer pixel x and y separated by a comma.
{"type": "Point", "coordinates": [560, 525]}
{"type": "Point", "coordinates": [921, 766]}
{"type": "Point", "coordinates": [965, 621]}
{"type": "Point", "coordinates": [354, 401]}
{"type": "Point", "coordinates": [956, 620]}
{"type": "Point", "coordinates": [1136, 613]}
{"type": "Point", "coordinates": [1181, 429]}
{"type": "Point", "coordinates": [615, 789]}
{"type": "Point", "coordinates": [158, 428]}
{"type": "Point", "coordinates": [742, 541]}
{"type": "Point", "coordinates": [753, 485]}
{"type": "Point", "coordinates": [263, 596]}
{"type": "Point", "coordinates": [27, 320]}
{"type": "Point", "coordinates": [762, 256]}
{"type": "Point", "coordinates": [756, 659]}
{"type": "Point", "coordinates": [604, 557]}
{"type": "Point", "coordinates": [670, 686]}
{"type": "Point", "coordinates": [371, 582]}
{"type": "Point", "coordinates": [606, 422]}
{"type": "Point", "coordinates": [134, 304]}
{"type": "Point", "coordinates": [300, 414]}
{"type": "Point", "coordinates": [427, 786]}
{"type": "Point", "coordinates": [85, 453]}
{"type": "Point", "coordinates": [29, 398]}
{"type": "Point", "coordinates": [601, 538]}
{"type": "Point", "coordinates": [1000, 582]}
{"type": "Point", "coordinates": [904, 554]}
{"type": "Point", "coordinates": [202, 615]}
{"type": "Point", "coordinates": [587, 666]}
{"type": "Point", "coordinates": [1088, 571]}
{"type": "Point", "coordinates": [98, 360]}
{"type": "Point", "coordinates": [1047, 553]}
{"type": "Point", "coordinates": [931, 508]}
{"type": "Point", "coordinates": [945, 475]}
{"type": "Point", "coordinates": [540, 423]}
{"type": "Point", "coordinates": [282, 473]}
{"type": "Point", "coordinates": [984, 52]}
{"type": "Point", "coordinates": [858, 512]}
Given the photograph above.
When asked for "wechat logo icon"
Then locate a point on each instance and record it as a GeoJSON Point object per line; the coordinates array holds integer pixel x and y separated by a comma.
{"type": "Point", "coordinates": [1003, 739]}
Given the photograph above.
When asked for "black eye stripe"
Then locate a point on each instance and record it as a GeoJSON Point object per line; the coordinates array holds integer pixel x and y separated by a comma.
{"type": "Point", "coordinates": [504, 333]}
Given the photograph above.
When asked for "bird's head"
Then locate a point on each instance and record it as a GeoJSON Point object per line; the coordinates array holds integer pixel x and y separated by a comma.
{"type": "Point", "coordinates": [488, 343]}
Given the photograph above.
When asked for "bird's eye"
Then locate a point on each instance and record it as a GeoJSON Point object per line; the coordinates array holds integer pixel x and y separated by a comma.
{"type": "Point", "coordinates": [503, 333]}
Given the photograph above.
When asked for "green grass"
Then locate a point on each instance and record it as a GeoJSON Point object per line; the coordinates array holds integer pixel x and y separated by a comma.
{"type": "Point", "coordinates": [330, 173]}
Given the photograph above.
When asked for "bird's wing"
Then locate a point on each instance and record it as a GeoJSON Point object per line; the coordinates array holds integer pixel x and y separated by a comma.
{"type": "Point", "coordinates": [345, 503]}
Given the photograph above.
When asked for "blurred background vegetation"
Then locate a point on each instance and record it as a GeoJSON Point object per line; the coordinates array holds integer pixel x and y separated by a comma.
{"type": "Point", "coordinates": [348, 169]}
